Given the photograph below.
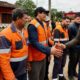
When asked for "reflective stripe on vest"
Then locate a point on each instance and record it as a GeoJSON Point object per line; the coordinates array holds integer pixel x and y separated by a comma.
{"type": "Point", "coordinates": [18, 59]}
{"type": "Point", "coordinates": [28, 42]}
{"type": "Point", "coordinates": [65, 39]}
{"type": "Point", "coordinates": [37, 24]}
{"type": "Point", "coordinates": [43, 42]}
{"type": "Point", "coordinates": [3, 51]}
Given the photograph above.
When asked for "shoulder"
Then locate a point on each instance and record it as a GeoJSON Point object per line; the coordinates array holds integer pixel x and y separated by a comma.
{"type": "Point", "coordinates": [71, 25]}
{"type": "Point", "coordinates": [6, 32]}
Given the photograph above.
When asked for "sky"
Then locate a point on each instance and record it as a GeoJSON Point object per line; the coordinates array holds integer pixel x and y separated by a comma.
{"type": "Point", "coordinates": [61, 5]}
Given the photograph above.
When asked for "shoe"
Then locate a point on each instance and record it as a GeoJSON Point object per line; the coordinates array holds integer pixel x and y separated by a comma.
{"type": "Point", "coordinates": [62, 78]}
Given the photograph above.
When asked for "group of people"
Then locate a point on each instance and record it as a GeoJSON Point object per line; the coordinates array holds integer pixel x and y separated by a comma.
{"type": "Point", "coordinates": [64, 32]}
{"type": "Point", "coordinates": [23, 50]}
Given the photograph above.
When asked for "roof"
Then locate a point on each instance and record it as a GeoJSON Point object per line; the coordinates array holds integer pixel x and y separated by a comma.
{"type": "Point", "coordinates": [6, 4]}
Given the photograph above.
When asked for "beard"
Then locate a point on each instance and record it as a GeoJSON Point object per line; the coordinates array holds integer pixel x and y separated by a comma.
{"type": "Point", "coordinates": [65, 26]}
{"type": "Point", "coordinates": [21, 26]}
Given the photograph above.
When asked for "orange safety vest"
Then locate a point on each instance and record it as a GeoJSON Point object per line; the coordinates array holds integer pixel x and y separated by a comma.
{"type": "Point", "coordinates": [34, 54]}
{"type": "Point", "coordinates": [51, 42]}
{"type": "Point", "coordinates": [64, 31]}
{"type": "Point", "coordinates": [16, 53]}
{"type": "Point", "coordinates": [1, 76]}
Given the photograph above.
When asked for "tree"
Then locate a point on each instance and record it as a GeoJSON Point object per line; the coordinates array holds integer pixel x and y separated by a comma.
{"type": "Point", "coordinates": [53, 14]}
{"type": "Point", "coordinates": [27, 5]}
{"type": "Point", "coordinates": [56, 15]}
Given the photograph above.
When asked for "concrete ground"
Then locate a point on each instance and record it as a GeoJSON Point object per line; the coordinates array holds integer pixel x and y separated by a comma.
{"type": "Point", "coordinates": [65, 69]}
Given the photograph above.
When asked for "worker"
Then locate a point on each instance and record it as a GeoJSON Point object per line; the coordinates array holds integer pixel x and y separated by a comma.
{"type": "Point", "coordinates": [14, 48]}
{"type": "Point", "coordinates": [61, 36]}
{"type": "Point", "coordinates": [38, 48]}
{"type": "Point", "coordinates": [74, 51]}
{"type": "Point", "coordinates": [73, 43]}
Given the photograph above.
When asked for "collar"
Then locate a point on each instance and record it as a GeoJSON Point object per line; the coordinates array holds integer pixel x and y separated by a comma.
{"type": "Point", "coordinates": [13, 28]}
{"type": "Point", "coordinates": [40, 22]}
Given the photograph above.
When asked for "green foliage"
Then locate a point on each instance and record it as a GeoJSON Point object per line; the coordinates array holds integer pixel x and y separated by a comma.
{"type": "Point", "coordinates": [27, 5]}
{"type": "Point", "coordinates": [56, 15]}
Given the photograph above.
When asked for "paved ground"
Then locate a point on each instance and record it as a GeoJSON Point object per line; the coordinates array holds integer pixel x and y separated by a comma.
{"type": "Point", "coordinates": [65, 69]}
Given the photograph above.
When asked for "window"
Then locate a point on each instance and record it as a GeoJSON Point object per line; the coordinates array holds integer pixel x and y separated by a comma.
{"type": "Point", "coordinates": [6, 18]}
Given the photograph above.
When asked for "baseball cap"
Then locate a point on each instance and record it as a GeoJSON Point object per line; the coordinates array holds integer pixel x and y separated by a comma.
{"type": "Point", "coordinates": [40, 10]}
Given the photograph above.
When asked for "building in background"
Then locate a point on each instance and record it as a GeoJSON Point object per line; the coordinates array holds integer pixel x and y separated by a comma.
{"type": "Point", "coordinates": [71, 14]}
{"type": "Point", "coordinates": [5, 13]}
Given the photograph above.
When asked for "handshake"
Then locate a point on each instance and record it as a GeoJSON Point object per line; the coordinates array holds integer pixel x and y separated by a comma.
{"type": "Point", "coordinates": [57, 49]}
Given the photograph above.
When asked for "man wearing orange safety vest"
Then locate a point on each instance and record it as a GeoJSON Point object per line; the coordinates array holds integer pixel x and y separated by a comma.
{"type": "Point", "coordinates": [38, 45]}
{"type": "Point", "coordinates": [13, 48]}
{"type": "Point", "coordinates": [60, 36]}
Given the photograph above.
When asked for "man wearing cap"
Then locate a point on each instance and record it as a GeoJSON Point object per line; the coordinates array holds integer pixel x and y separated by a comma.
{"type": "Point", "coordinates": [38, 48]}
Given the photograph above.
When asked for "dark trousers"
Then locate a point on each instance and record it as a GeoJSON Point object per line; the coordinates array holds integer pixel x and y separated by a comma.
{"type": "Point", "coordinates": [73, 61]}
{"type": "Point", "coordinates": [38, 70]}
{"type": "Point", "coordinates": [59, 63]}
{"type": "Point", "coordinates": [22, 77]}
{"type": "Point", "coordinates": [47, 66]}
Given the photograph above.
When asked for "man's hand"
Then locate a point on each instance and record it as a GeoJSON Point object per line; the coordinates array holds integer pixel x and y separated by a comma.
{"type": "Point", "coordinates": [60, 45]}
{"type": "Point", "coordinates": [63, 46]}
{"type": "Point", "coordinates": [56, 50]}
